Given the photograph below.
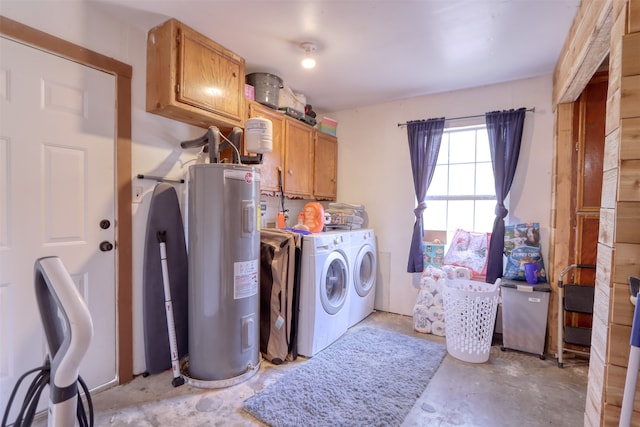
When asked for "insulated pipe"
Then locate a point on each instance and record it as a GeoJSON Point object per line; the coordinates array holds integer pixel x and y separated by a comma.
{"type": "Point", "coordinates": [68, 342]}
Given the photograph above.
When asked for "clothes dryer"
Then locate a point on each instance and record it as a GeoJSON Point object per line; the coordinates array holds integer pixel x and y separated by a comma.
{"type": "Point", "coordinates": [324, 291]}
{"type": "Point", "coordinates": [363, 260]}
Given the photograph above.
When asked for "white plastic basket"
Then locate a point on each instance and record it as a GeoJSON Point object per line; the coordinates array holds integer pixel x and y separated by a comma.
{"type": "Point", "coordinates": [470, 312]}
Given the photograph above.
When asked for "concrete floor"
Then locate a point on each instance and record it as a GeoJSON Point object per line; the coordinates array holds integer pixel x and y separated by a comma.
{"type": "Point", "coordinates": [512, 388]}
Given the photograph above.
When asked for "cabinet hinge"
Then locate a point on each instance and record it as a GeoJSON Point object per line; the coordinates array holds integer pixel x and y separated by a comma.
{"type": "Point", "coordinates": [178, 88]}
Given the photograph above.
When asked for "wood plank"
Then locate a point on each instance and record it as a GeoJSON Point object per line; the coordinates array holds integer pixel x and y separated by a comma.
{"type": "Point", "coordinates": [606, 234]}
{"type": "Point", "coordinates": [619, 354]}
{"type": "Point", "coordinates": [616, 377]}
{"type": "Point", "coordinates": [629, 184]}
{"type": "Point", "coordinates": [602, 300]}
{"type": "Point", "coordinates": [604, 266]}
{"type": "Point", "coordinates": [630, 138]}
{"type": "Point", "coordinates": [600, 328]}
{"type": "Point", "coordinates": [620, 9]}
{"type": "Point", "coordinates": [613, 112]}
{"type": "Point", "coordinates": [609, 188]}
{"type": "Point", "coordinates": [597, 370]}
{"type": "Point", "coordinates": [626, 262]}
{"type": "Point", "coordinates": [611, 416]}
{"type": "Point", "coordinates": [561, 210]}
{"type": "Point", "coordinates": [621, 307]}
{"type": "Point", "coordinates": [595, 386]}
{"type": "Point", "coordinates": [584, 50]}
{"type": "Point", "coordinates": [630, 97]}
{"type": "Point", "coordinates": [611, 150]}
{"type": "Point", "coordinates": [591, 414]}
{"type": "Point", "coordinates": [627, 222]}
{"type": "Point", "coordinates": [634, 16]}
{"type": "Point", "coordinates": [615, 59]}
{"type": "Point", "coordinates": [630, 60]}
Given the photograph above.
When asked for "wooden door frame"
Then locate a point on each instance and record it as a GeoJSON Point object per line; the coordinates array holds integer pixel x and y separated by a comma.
{"type": "Point", "coordinates": [123, 73]}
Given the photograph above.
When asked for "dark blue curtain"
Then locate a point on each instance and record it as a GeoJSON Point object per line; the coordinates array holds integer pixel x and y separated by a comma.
{"type": "Point", "coordinates": [505, 135]}
{"type": "Point", "coordinates": [424, 144]}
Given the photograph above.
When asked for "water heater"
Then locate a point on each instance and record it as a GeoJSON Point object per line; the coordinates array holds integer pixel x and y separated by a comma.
{"type": "Point", "coordinates": [224, 254]}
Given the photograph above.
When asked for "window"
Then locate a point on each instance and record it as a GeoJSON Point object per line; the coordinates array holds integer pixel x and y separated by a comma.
{"type": "Point", "coordinates": [462, 193]}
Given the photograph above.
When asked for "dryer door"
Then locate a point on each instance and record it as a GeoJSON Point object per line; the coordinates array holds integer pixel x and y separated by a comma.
{"type": "Point", "coordinates": [334, 282]}
{"type": "Point", "coordinates": [364, 270]}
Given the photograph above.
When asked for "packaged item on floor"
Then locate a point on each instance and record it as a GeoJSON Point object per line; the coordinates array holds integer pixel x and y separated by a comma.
{"type": "Point", "coordinates": [470, 250]}
{"type": "Point", "coordinates": [433, 253]}
{"type": "Point", "coordinates": [522, 246]}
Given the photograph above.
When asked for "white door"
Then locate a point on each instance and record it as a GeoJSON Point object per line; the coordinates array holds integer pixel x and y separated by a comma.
{"type": "Point", "coordinates": [57, 130]}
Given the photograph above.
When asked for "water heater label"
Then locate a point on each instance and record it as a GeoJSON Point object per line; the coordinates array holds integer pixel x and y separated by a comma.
{"type": "Point", "coordinates": [245, 279]}
{"type": "Point", "coordinates": [242, 175]}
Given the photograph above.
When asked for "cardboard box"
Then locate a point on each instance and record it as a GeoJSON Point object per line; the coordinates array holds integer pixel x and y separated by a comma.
{"type": "Point", "coordinates": [432, 254]}
{"type": "Point", "coordinates": [328, 125]}
{"type": "Point", "coordinates": [249, 92]}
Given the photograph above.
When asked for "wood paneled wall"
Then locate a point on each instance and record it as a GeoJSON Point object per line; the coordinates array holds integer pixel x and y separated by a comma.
{"type": "Point", "coordinates": [607, 27]}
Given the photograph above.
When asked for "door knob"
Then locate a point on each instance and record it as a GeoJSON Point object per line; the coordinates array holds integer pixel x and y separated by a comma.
{"type": "Point", "coordinates": [105, 224]}
{"type": "Point", "coordinates": [106, 246]}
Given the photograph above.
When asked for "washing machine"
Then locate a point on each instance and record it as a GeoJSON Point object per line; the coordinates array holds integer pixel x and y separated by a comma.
{"type": "Point", "coordinates": [324, 291]}
{"type": "Point", "coordinates": [363, 260]}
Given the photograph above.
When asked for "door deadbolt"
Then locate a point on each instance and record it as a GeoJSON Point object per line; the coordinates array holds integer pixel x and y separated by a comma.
{"type": "Point", "coordinates": [106, 246]}
{"type": "Point", "coordinates": [105, 224]}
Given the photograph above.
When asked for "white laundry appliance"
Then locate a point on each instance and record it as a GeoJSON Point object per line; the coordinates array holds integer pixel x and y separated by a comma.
{"type": "Point", "coordinates": [325, 278]}
{"type": "Point", "coordinates": [363, 260]}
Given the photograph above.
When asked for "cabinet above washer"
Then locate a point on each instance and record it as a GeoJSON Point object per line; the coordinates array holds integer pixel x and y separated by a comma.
{"type": "Point", "coordinates": [192, 79]}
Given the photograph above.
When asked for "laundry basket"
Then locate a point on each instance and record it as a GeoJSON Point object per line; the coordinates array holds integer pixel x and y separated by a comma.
{"type": "Point", "coordinates": [470, 312]}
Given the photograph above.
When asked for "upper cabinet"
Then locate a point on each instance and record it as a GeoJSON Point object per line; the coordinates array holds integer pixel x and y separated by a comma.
{"type": "Point", "coordinates": [298, 159]}
{"type": "Point", "coordinates": [193, 79]}
{"type": "Point", "coordinates": [325, 166]}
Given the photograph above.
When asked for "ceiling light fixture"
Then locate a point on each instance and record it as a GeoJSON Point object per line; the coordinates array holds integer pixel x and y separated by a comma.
{"type": "Point", "coordinates": [308, 62]}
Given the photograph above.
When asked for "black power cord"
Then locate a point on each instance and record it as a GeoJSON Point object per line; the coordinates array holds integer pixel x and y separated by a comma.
{"type": "Point", "coordinates": [30, 404]}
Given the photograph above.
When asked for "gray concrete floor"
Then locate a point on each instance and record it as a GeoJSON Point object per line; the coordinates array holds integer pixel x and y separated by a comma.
{"type": "Point", "coordinates": [511, 389]}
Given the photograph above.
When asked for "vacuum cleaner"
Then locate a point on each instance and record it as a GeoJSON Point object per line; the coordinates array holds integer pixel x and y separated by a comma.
{"type": "Point", "coordinates": [68, 329]}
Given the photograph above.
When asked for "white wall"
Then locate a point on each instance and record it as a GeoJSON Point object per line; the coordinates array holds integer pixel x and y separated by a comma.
{"type": "Point", "coordinates": [374, 169]}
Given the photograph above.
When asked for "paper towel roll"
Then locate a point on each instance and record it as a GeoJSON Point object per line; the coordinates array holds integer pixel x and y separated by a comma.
{"type": "Point", "coordinates": [437, 328]}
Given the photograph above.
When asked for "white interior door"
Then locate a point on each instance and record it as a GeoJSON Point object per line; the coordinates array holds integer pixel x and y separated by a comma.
{"type": "Point", "coordinates": [57, 169]}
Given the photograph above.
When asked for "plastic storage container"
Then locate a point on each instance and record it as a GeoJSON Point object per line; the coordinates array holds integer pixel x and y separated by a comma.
{"type": "Point", "coordinates": [469, 316]}
{"type": "Point", "coordinates": [524, 316]}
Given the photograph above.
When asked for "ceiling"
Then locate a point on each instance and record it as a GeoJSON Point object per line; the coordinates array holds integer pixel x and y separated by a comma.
{"type": "Point", "coordinates": [374, 51]}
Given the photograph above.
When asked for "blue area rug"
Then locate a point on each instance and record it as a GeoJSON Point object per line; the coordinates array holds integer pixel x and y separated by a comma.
{"type": "Point", "coordinates": [369, 377]}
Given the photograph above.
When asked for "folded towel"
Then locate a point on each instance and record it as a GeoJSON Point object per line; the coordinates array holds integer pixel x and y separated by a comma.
{"type": "Point", "coordinates": [346, 206]}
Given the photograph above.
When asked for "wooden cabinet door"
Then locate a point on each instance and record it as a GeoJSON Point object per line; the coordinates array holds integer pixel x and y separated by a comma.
{"type": "Point", "coordinates": [209, 76]}
{"type": "Point", "coordinates": [273, 161]}
{"type": "Point", "coordinates": [298, 173]}
{"type": "Point", "coordinates": [192, 79]}
{"type": "Point", "coordinates": [325, 166]}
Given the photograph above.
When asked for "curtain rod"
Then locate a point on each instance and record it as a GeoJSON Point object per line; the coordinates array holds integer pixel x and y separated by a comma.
{"type": "Point", "coordinates": [468, 117]}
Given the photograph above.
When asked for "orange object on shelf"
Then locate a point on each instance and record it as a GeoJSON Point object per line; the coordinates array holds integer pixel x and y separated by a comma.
{"type": "Point", "coordinates": [314, 217]}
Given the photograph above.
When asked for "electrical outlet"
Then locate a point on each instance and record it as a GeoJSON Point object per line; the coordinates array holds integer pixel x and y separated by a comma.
{"type": "Point", "coordinates": [137, 194]}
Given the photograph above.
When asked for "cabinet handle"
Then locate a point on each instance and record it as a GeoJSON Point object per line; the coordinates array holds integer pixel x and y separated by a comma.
{"type": "Point", "coordinates": [290, 172]}
{"type": "Point", "coordinates": [234, 74]}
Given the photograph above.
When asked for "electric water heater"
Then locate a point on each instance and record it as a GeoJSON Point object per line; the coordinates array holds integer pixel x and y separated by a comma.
{"type": "Point", "coordinates": [224, 255]}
